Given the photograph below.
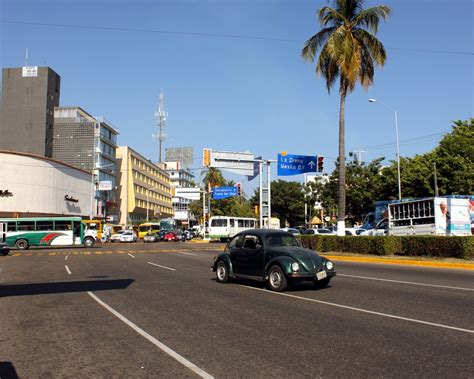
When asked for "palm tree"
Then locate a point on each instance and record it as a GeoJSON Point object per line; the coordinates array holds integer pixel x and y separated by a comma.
{"type": "Point", "coordinates": [347, 52]}
{"type": "Point", "coordinates": [213, 178]}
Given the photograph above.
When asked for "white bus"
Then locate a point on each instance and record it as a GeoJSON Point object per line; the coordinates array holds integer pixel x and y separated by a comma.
{"type": "Point", "coordinates": [225, 227]}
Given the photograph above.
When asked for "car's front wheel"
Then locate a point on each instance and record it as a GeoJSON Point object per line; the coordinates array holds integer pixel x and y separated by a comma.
{"type": "Point", "coordinates": [276, 279]}
{"type": "Point", "coordinates": [222, 273]}
{"type": "Point", "coordinates": [322, 283]}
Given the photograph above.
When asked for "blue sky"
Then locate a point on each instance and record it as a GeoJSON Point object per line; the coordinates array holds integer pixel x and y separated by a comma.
{"type": "Point", "coordinates": [246, 94]}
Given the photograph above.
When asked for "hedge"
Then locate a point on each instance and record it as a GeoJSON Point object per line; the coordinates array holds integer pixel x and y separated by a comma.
{"type": "Point", "coordinates": [435, 246]}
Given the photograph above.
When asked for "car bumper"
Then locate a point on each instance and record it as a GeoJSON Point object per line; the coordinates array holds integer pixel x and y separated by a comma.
{"type": "Point", "coordinates": [308, 276]}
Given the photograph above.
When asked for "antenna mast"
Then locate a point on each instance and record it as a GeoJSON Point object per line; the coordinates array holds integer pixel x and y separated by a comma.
{"type": "Point", "coordinates": [160, 118]}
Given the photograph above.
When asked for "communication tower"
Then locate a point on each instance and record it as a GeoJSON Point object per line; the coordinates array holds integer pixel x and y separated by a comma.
{"type": "Point", "coordinates": [160, 118]}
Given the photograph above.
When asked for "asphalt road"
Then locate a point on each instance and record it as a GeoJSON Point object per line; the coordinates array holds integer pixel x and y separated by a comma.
{"type": "Point", "coordinates": [138, 310]}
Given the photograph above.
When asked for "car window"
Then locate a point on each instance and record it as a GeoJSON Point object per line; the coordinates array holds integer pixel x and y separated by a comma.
{"type": "Point", "coordinates": [324, 231]}
{"type": "Point", "coordinates": [276, 240]}
{"type": "Point", "coordinates": [235, 243]}
{"type": "Point", "coordinates": [252, 242]}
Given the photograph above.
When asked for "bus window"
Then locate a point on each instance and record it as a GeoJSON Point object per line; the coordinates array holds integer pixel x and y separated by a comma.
{"type": "Point", "coordinates": [241, 223]}
{"type": "Point", "coordinates": [44, 225]}
{"type": "Point", "coordinates": [11, 226]}
{"type": "Point", "coordinates": [232, 222]}
{"type": "Point", "coordinates": [26, 225]}
{"type": "Point", "coordinates": [63, 225]}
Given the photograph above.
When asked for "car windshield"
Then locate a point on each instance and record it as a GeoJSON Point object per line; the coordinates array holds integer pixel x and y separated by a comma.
{"type": "Point", "coordinates": [275, 240]}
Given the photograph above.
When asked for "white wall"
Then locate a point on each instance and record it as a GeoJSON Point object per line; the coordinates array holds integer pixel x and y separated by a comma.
{"type": "Point", "coordinates": [39, 185]}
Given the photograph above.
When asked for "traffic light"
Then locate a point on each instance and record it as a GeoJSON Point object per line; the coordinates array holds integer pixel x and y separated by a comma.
{"type": "Point", "coordinates": [256, 210]}
{"type": "Point", "coordinates": [320, 163]}
{"type": "Point", "coordinates": [239, 189]}
{"type": "Point", "coordinates": [206, 160]}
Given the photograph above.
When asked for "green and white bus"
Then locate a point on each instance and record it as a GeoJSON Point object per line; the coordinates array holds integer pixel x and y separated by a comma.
{"type": "Point", "coordinates": [46, 231]}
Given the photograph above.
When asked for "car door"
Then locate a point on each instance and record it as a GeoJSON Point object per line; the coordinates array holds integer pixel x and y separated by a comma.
{"type": "Point", "coordinates": [234, 249]}
{"type": "Point", "coordinates": [251, 256]}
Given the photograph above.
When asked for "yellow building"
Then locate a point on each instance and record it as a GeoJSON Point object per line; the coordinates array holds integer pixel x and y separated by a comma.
{"type": "Point", "coordinates": [144, 188]}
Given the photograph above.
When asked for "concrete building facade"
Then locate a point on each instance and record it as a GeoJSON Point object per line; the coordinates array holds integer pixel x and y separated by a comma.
{"type": "Point", "coordinates": [142, 186]}
{"type": "Point", "coordinates": [180, 178]}
{"type": "Point", "coordinates": [89, 143]}
{"type": "Point", "coordinates": [29, 95]}
{"type": "Point", "coordinates": [33, 185]}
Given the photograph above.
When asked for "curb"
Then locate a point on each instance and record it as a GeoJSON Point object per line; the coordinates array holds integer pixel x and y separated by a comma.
{"type": "Point", "coordinates": [199, 241]}
{"type": "Point", "coordinates": [463, 266]}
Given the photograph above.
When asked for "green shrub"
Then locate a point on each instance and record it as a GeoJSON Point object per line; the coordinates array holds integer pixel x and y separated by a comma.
{"type": "Point", "coordinates": [435, 246]}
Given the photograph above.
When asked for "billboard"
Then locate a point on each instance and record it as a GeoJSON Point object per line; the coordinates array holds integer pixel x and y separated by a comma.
{"type": "Point", "coordinates": [180, 154]}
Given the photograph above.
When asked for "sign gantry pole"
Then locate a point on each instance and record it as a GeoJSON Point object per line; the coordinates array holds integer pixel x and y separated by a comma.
{"type": "Point", "coordinates": [260, 176]}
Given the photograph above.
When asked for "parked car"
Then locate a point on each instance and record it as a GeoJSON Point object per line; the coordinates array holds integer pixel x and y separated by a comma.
{"type": "Point", "coordinates": [173, 236]}
{"type": "Point", "coordinates": [293, 231]}
{"type": "Point", "coordinates": [151, 237]}
{"type": "Point", "coordinates": [274, 256]}
{"type": "Point", "coordinates": [317, 231]}
{"type": "Point", "coordinates": [128, 236]}
{"type": "Point", "coordinates": [116, 236]}
{"type": "Point", "coordinates": [190, 234]}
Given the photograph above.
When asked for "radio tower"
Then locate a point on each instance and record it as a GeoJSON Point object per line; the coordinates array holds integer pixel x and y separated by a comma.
{"type": "Point", "coordinates": [160, 118]}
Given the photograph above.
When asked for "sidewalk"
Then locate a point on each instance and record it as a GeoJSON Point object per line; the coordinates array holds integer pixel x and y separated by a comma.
{"type": "Point", "coordinates": [401, 260]}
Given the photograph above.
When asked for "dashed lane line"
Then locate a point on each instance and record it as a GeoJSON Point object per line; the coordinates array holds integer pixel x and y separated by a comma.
{"type": "Point", "coordinates": [67, 269]}
{"type": "Point", "coordinates": [131, 255]}
{"type": "Point", "coordinates": [167, 268]}
{"type": "Point", "coordinates": [191, 366]}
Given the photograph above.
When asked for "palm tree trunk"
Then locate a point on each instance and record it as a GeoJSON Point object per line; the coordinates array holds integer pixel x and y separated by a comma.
{"type": "Point", "coordinates": [342, 153]}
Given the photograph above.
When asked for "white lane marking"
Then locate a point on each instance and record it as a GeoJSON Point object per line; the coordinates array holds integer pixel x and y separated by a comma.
{"type": "Point", "coordinates": [153, 340]}
{"type": "Point", "coordinates": [401, 281]}
{"type": "Point", "coordinates": [182, 252]}
{"type": "Point", "coordinates": [361, 310]}
{"type": "Point", "coordinates": [67, 269]}
{"type": "Point", "coordinates": [133, 256]}
{"type": "Point", "coordinates": [168, 268]}
{"type": "Point", "coordinates": [67, 256]}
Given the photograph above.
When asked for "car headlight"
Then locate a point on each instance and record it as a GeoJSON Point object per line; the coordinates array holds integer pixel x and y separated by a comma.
{"type": "Point", "coordinates": [295, 266]}
{"type": "Point", "coordinates": [329, 265]}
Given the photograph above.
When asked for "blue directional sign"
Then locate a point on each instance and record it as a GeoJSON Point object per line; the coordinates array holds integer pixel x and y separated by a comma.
{"type": "Point", "coordinates": [223, 192]}
{"type": "Point", "coordinates": [290, 164]}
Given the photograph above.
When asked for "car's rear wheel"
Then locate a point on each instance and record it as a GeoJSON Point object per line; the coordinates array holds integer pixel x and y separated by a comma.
{"type": "Point", "coordinates": [322, 283]}
{"type": "Point", "coordinates": [222, 272]}
{"type": "Point", "coordinates": [276, 279]}
{"type": "Point", "coordinates": [22, 244]}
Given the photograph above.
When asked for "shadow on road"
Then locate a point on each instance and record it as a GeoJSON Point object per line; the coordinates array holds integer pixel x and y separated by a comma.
{"type": "Point", "coordinates": [62, 287]}
{"type": "Point", "coordinates": [7, 371]}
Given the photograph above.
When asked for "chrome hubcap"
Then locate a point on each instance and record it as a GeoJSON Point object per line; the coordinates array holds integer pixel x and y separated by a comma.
{"type": "Point", "coordinates": [275, 279]}
{"type": "Point", "coordinates": [221, 272]}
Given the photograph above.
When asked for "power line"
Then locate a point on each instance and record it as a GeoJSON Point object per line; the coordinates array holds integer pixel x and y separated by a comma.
{"type": "Point", "coordinates": [213, 35]}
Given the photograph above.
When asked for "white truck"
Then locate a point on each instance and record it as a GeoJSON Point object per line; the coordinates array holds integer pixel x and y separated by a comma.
{"type": "Point", "coordinates": [445, 216]}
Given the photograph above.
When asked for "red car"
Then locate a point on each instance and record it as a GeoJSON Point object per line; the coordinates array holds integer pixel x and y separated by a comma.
{"type": "Point", "coordinates": [172, 236]}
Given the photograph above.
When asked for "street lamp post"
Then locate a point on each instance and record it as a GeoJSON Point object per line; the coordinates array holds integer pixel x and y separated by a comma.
{"type": "Point", "coordinates": [398, 145]}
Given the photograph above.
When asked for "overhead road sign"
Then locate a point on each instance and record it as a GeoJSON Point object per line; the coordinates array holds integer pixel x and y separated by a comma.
{"type": "Point", "coordinates": [291, 164]}
{"type": "Point", "coordinates": [256, 168]}
{"type": "Point", "coordinates": [224, 192]}
{"type": "Point", "coordinates": [190, 193]}
{"type": "Point", "coordinates": [239, 163]}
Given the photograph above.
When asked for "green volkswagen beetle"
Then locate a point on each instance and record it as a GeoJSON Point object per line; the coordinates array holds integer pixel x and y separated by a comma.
{"type": "Point", "coordinates": [271, 256]}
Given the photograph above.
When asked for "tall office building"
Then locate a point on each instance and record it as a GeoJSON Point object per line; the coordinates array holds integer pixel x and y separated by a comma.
{"type": "Point", "coordinates": [89, 143]}
{"type": "Point", "coordinates": [29, 95]}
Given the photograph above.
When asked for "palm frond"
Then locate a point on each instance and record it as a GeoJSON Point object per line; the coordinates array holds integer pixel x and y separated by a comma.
{"type": "Point", "coordinates": [315, 42]}
{"type": "Point", "coordinates": [349, 8]}
{"type": "Point", "coordinates": [370, 17]}
{"type": "Point", "coordinates": [366, 69]}
{"type": "Point", "coordinates": [327, 67]}
{"type": "Point", "coordinates": [375, 47]}
{"type": "Point", "coordinates": [330, 16]}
